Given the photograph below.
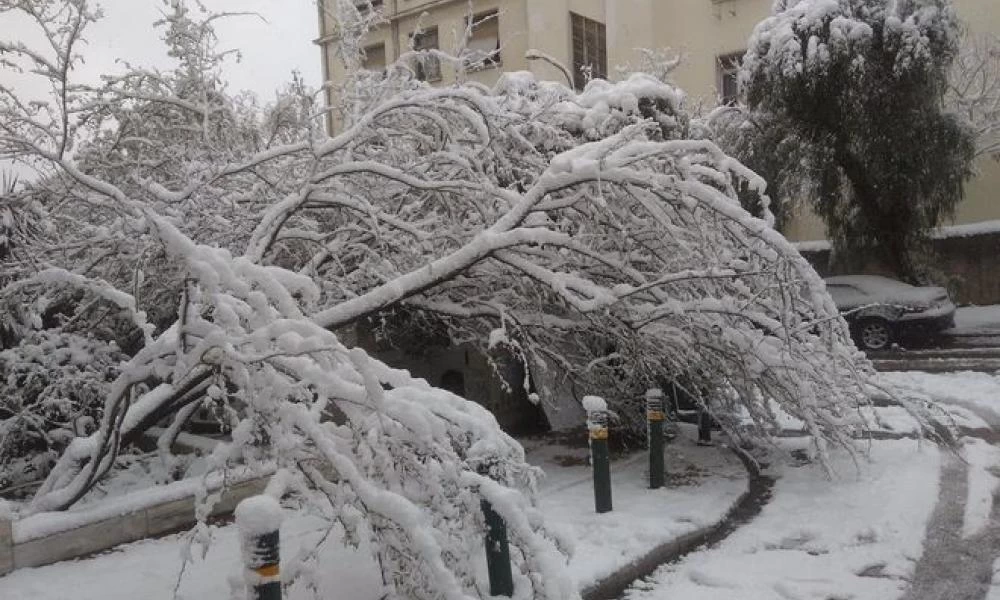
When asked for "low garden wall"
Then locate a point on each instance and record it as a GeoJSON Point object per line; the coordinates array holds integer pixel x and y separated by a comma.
{"type": "Point", "coordinates": [968, 260]}
{"type": "Point", "coordinates": [45, 538]}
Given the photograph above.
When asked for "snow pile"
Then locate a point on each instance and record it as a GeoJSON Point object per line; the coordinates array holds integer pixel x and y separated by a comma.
{"type": "Point", "coordinates": [983, 462]}
{"type": "Point", "coordinates": [6, 511]}
{"type": "Point", "coordinates": [970, 318]}
{"type": "Point", "coordinates": [258, 515]}
{"type": "Point", "coordinates": [593, 404]}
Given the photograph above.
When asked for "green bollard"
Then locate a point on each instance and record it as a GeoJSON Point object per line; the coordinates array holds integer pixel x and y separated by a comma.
{"type": "Point", "coordinates": [654, 418]}
{"type": "Point", "coordinates": [704, 427]}
{"type": "Point", "coordinates": [497, 553]}
{"type": "Point", "coordinates": [597, 423]}
{"type": "Point", "coordinates": [257, 519]}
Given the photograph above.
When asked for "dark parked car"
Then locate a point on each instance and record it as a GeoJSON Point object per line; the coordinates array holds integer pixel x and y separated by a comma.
{"type": "Point", "coordinates": [881, 311]}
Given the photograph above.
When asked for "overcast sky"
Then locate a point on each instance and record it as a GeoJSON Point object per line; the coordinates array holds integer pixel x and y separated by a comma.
{"type": "Point", "coordinates": [271, 50]}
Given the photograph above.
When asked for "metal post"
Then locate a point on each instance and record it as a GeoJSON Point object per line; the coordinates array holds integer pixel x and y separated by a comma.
{"type": "Point", "coordinates": [704, 427]}
{"type": "Point", "coordinates": [258, 519]}
{"type": "Point", "coordinates": [600, 457]}
{"type": "Point", "coordinates": [497, 553]}
{"type": "Point", "coordinates": [6, 546]}
{"type": "Point", "coordinates": [654, 418]}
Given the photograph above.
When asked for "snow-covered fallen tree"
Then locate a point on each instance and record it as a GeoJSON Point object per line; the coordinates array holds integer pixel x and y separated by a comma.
{"type": "Point", "coordinates": [593, 234]}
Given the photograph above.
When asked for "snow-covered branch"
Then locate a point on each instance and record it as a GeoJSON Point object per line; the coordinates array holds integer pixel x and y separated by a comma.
{"type": "Point", "coordinates": [588, 233]}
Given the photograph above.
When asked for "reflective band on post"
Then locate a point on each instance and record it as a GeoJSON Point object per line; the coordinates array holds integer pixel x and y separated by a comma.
{"type": "Point", "coordinates": [268, 570]}
{"type": "Point", "coordinates": [598, 434]}
{"type": "Point", "coordinates": [654, 431]}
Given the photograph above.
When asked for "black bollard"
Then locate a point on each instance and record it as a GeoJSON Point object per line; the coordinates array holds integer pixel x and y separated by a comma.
{"type": "Point", "coordinates": [600, 457]}
{"type": "Point", "coordinates": [704, 427]}
{"type": "Point", "coordinates": [654, 429]}
{"type": "Point", "coordinates": [497, 553]}
{"type": "Point", "coordinates": [257, 519]}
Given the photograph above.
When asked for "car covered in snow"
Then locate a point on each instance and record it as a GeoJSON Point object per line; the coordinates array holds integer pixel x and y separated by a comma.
{"type": "Point", "coordinates": [882, 311]}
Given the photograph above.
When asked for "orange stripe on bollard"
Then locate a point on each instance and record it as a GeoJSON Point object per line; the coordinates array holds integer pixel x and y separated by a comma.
{"type": "Point", "coordinates": [268, 570]}
{"type": "Point", "coordinates": [598, 434]}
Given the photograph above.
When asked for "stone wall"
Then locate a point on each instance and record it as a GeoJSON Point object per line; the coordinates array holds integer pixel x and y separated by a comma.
{"type": "Point", "coordinates": [969, 267]}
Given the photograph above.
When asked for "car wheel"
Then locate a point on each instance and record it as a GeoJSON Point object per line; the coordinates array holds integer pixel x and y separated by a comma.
{"type": "Point", "coordinates": [874, 334]}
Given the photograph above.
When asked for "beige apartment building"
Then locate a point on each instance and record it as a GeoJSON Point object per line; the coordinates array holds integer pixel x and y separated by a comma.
{"type": "Point", "coordinates": [605, 35]}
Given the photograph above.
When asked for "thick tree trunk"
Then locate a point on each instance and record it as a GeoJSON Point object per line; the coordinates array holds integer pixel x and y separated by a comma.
{"type": "Point", "coordinates": [892, 227]}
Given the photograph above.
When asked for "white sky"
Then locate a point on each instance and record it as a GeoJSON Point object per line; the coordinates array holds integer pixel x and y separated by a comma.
{"type": "Point", "coordinates": [270, 50]}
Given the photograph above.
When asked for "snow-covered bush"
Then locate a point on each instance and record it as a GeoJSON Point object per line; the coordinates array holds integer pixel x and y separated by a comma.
{"type": "Point", "coordinates": [52, 390]}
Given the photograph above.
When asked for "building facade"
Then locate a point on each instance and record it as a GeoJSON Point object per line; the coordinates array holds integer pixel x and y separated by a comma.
{"type": "Point", "coordinates": [605, 35]}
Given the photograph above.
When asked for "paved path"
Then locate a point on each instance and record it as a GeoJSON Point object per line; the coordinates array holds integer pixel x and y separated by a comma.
{"type": "Point", "coordinates": [953, 567]}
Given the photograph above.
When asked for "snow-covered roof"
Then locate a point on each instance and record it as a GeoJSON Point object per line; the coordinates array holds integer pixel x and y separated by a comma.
{"type": "Point", "coordinates": [940, 233]}
{"type": "Point", "coordinates": [869, 283]}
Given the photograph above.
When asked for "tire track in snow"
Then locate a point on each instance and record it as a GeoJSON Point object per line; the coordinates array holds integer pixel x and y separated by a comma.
{"type": "Point", "coordinates": [749, 505]}
{"type": "Point", "coordinates": [953, 567]}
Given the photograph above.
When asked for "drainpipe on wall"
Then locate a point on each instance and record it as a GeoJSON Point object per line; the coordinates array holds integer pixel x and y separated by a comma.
{"type": "Point", "coordinates": [394, 30]}
{"type": "Point", "coordinates": [321, 7]}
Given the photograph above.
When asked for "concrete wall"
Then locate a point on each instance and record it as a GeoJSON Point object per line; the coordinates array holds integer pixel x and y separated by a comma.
{"type": "Point", "coordinates": [88, 536]}
{"type": "Point", "coordinates": [704, 30]}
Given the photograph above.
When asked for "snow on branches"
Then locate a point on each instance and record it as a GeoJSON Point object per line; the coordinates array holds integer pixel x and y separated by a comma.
{"type": "Point", "coordinates": [974, 90]}
{"type": "Point", "coordinates": [859, 86]}
{"type": "Point", "coordinates": [597, 230]}
{"type": "Point", "coordinates": [809, 36]}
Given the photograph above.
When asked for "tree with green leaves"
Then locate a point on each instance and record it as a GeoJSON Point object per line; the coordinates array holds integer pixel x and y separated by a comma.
{"type": "Point", "coordinates": [859, 86]}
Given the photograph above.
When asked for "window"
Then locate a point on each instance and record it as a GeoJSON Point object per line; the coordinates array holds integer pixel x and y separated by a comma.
{"type": "Point", "coordinates": [374, 58]}
{"type": "Point", "coordinates": [590, 50]}
{"type": "Point", "coordinates": [728, 68]}
{"type": "Point", "coordinates": [363, 6]}
{"type": "Point", "coordinates": [427, 66]}
{"type": "Point", "coordinates": [484, 42]}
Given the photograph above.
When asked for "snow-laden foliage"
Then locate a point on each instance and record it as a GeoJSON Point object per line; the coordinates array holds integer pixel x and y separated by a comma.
{"type": "Point", "coordinates": [858, 85]}
{"type": "Point", "coordinates": [53, 389]}
{"type": "Point", "coordinates": [974, 90]}
{"type": "Point", "coordinates": [596, 235]}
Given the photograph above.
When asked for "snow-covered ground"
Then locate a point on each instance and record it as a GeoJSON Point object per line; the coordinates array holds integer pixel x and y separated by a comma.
{"type": "Point", "coordinates": [977, 318]}
{"type": "Point", "coordinates": [860, 535]}
{"type": "Point", "coordinates": [979, 392]}
{"type": "Point", "coordinates": [856, 536]}
{"type": "Point", "coordinates": [155, 569]}
{"type": "Point", "coordinates": [705, 484]}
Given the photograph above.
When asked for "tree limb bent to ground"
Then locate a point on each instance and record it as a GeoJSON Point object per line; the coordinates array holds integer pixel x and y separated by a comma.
{"type": "Point", "coordinates": [590, 232]}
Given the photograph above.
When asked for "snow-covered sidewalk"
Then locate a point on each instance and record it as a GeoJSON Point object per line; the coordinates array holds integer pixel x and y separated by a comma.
{"type": "Point", "coordinates": [704, 484]}
{"type": "Point", "coordinates": [972, 320]}
{"type": "Point", "coordinates": [911, 522]}
{"type": "Point", "coordinates": [856, 536]}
